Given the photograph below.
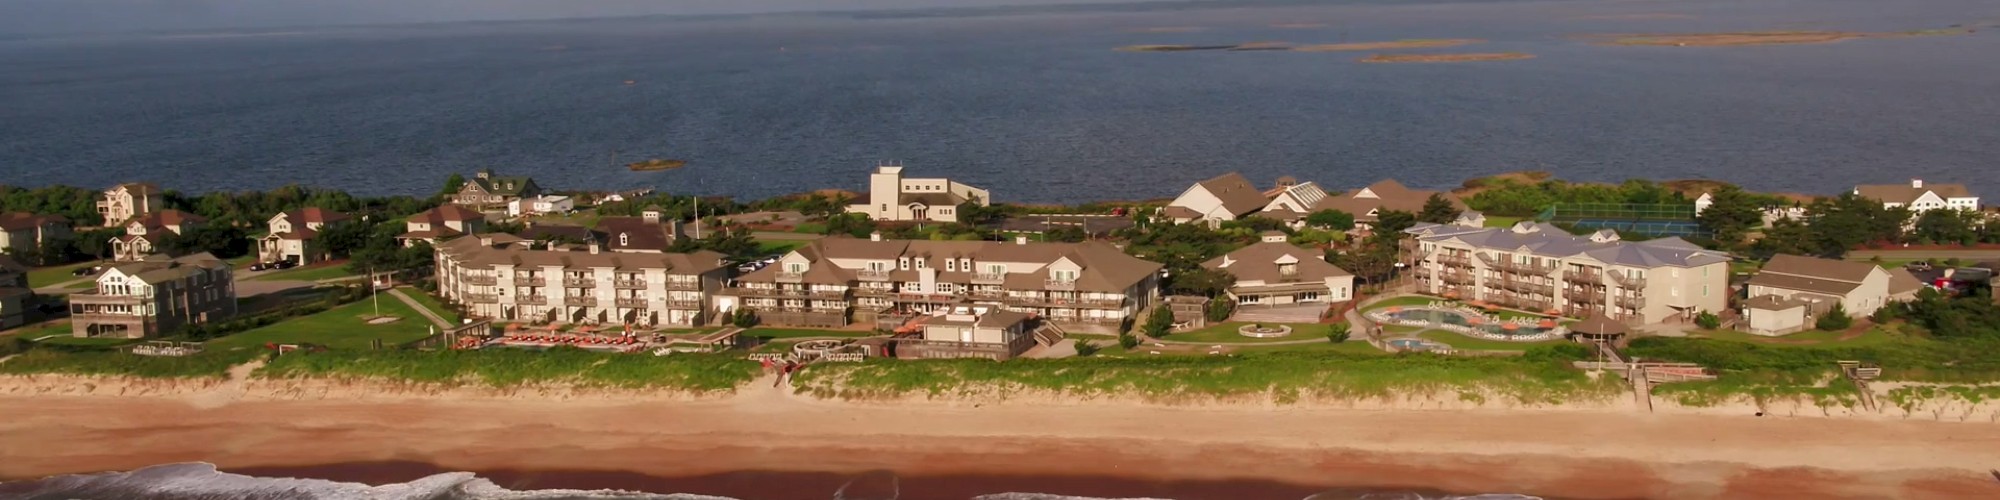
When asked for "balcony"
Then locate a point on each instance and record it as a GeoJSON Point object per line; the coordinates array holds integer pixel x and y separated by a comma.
{"type": "Point", "coordinates": [533, 300]}
{"type": "Point", "coordinates": [1584, 294]}
{"type": "Point", "coordinates": [1457, 278]}
{"type": "Point", "coordinates": [531, 281]}
{"type": "Point", "coordinates": [685, 303]}
{"type": "Point", "coordinates": [1590, 276]}
{"type": "Point", "coordinates": [633, 303]}
{"type": "Point", "coordinates": [1631, 301]}
{"type": "Point", "coordinates": [989, 278]}
{"type": "Point", "coordinates": [1460, 260]}
{"type": "Point", "coordinates": [479, 280]}
{"type": "Point", "coordinates": [1517, 267]}
{"type": "Point", "coordinates": [1059, 284]}
{"type": "Point", "coordinates": [481, 298]}
{"type": "Point", "coordinates": [791, 276]}
{"type": "Point", "coordinates": [683, 284]}
{"type": "Point", "coordinates": [629, 284]}
{"type": "Point", "coordinates": [580, 282]}
{"type": "Point", "coordinates": [872, 274]}
{"type": "Point", "coordinates": [827, 294]}
{"type": "Point", "coordinates": [1627, 278]}
{"type": "Point", "coordinates": [580, 301]}
{"type": "Point", "coordinates": [1288, 277]}
{"type": "Point", "coordinates": [871, 292]}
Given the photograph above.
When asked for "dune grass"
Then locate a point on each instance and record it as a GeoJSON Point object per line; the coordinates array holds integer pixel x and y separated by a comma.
{"type": "Point", "coordinates": [119, 363]}
{"type": "Point", "coordinates": [516, 367]}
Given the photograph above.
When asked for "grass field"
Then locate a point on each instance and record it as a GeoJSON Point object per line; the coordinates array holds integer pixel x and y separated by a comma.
{"type": "Point", "coordinates": [66, 339]}
{"type": "Point", "coordinates": [310, 273]}
{"type": "Point", "coordinates": [1809, 338]}
{"type": "Point", "coordinates": [1502, 220]}
{"type": "Point", "coordinates": [1226, 333]}
{"type": "Point", "coordinates": [47, 276]}
{"type": "Point", "coordinates": [338, 328]}
{"type": "Point", "coordinates": [775, 247]}
{"type": "Point", "coordinates": [119, 363]}
{"type": "Point", "coordinates": [58, 328]}
{"type": "Point", "coordinates": [431, 302]}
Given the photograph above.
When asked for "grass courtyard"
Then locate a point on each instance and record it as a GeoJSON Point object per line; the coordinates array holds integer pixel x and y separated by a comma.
{"type": "Point", "coordinates": [310, 273]}
{"type": "Point", "coordinates": [793, 333]}
{"type": "Point", "coordinates": [345, 327]}
{"type": "Point", "coordinates": [1876, 335]}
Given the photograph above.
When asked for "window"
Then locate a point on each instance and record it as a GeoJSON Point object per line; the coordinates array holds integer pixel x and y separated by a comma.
{"type": "Point", "coordinates": [944, 288]}
{"type": "Point", "coordinates": [951, 265]}
{"type": "Point", "coordinates": [903, 263]}
{"type": "Point", "coordinates": [875, 265]}
{"type": "Point", "coordinates": [996, 269]}
{"type": "Point", "coordinates": [1065, 275]}
{"type": "Point", "coordinates": [1704, 290]}
{"type": "Point", "coordinates": [795, 267]}
{"type": "Point", "coordinates": [624, 239]}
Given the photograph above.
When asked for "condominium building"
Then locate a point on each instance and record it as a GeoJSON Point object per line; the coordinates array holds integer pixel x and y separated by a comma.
{"type": "Point", "coordinates": [503, 278]}
{"type": "Point", "coordinates": [125, 201]}
{"type": "Point", "coordinates": [294, 235]}
{"type": "Point", "coordinates": [155, 296]}
{"type": "Point", "coordinates": [1539, 267]}
{"type": "Point", "coordinates": [485, 190]}
{"type": "Point", "coordinates": [893, 197]}
{"type": "Point", "coordinates": [1090, 285]}
{"type": "Point", "coordinates": [1920, 197]}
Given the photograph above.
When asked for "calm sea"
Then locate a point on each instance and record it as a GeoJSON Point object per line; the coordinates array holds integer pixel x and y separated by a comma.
{"type": "Point", "coordinates": [1034, 104]}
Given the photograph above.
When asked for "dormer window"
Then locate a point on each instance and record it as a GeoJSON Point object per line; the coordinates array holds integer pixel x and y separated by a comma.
{"type": "Point", "coordinates": [920, 263]}
{"type": "Point", "coordinates": [624, 239]}
{"type": "Point", "coordinates": [1064, 275]}
{"type": "Point", "coordinates": [1288, 269]}
{"type": "Point", "coordinates": [951, 265]}
{"type": "Point", "coordinates": [903, 263]}
{"type": "Point", "coordinates": [795, 267]}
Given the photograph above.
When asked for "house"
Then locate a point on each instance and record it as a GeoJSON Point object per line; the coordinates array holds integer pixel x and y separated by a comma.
{"type": "Point", "coordinates": [1792, 291]}
{"type": "Point", "coordinates": [1274, 272]}
{"type": "Point", "coordinates": [155, 296]}
{"type": "Point", "coordinates": [1226, 197]}
{"type": "Point", "coordinates": [1368, 203]}
{"type": "Point", "coordinates": [504, 280]}
{"type": "Point", "coordinates": [1292, 201]}
{"type": "Point", "coordinates": [541, 204]}
{"type": "Point", "coordinates": [126, 201]}
{"type": "Point", "coordinates": [650, 232]}
{"type": "Point", "coordinates": [143, 234]}
{"type": "Point", "coordinates": [894, 198]}
{"type": "Point", "coordinates": [22, 232]}
{"type": "Point", "coordinates": [1539, 267]}
{"type": "Point", "coordinates": [294, 235]}
{"type": "Point", "coordinates": [1090, 285]}
{"type": "Point", "coordinates": [15, 294]}
{"type": "Point", "coordinates": [1920, 197]}
{"type": "Point", "coordinates": [485, 190]}
{"type": "Point", "coordinates": [984, 332]}
{"type": "Point", "coordinates": [627, 195]}
{"type": "Point", "coordinates": [441, 223]}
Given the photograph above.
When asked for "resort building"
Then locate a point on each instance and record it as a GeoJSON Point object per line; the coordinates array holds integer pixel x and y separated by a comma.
{"type": "Point", "coordinates": [126, 201]}
{"type": "Point", "coordinates": [1224, 198]}
{"type": "Point", "coordinates": [1276, 273]}
{"type": "Point", "coordinates": [987, 332]}
{"type": "Point", "coordinates": [498, 276]}
{"type": "Point", "coordinates": [441, 223]}
{"type": "Point", "coordinates": [143, 234]}
{"type": "Point", "coordinates": [14, 293]}
{"type": "Point", "coordinates": [1090, 285]}
{"type": "Point", "coordinates": [155, 296]}
{"type": "Point", "coordinates": [542, 204]}
{"type": "Point", "coordinates": [485, 190]}
{"type": "Point", "coordinates": [1539, 267]}
{"type": "Point", "coordinates": [1368, 203]}
{"type": "Point", "coordinates": [1791, 292]}
{"type": "Point", "coordinates": [294, 236]}
{"type": "Point", "coordinates": [895, 198]}
{"type": "Point", "coordinates": [22, 232]}
{"type": "Point", "coordinates": [1920, 197]}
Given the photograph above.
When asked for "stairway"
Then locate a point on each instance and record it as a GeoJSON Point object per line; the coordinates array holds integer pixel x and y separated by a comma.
{"type": "Point", "coordinates": [1642, 389]}
{"type": "Point", "coordinates": [1049, 334]}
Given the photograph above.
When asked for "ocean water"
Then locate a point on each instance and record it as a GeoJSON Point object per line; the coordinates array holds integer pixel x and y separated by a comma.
{"type": "Point", "coordinates": [1032, 103]}
{"type": "Point", "coordinates": [202, 481]}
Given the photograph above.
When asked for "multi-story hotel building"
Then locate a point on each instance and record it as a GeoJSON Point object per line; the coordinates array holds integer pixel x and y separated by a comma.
{"type": "Point", "coordinates": [499, 276]}
{"type": "Point", "coordinates": [1091, 285]}
{"type": "Point", "coordinates": [1540, 267]}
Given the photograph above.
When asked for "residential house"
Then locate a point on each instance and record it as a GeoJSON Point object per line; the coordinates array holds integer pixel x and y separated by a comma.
{"type": "Point", "coordinates": [1920, 197]}
{"type": "Point", "coordinates": [650, 232]}
{"type": "Point", "coordinates": [827, 283]}
{"type": "Point", "coordinates": [143, 234]}
{"type": "Point", "coordinates": [1539, 267]}
{"type": "Point", "coordinates": [1274, 272]}
{"type": "Point", "coordinates": [485, 190]}
{"type": "Point", "coordinates": [14, 293]}
{"type": "Point", "coordinates": [1292, 201]}
{"type": "Point", "coordinates": [508, 281]}
{"type": "Point", "coordinates": [1791, 292]}
{"type": "Point", "coordinates": [126, 201]}
{"type": "Point", "coordinates": [294, 236]}
{"type": "Point", "coordinates": [985, 332]}
{"type": "Point", "coordinates": [541, 204]}
{"type": "Point", "coordinates": [1226, 197]}
{"type": "Point", "coordinates": [155, 296]}
{"type": "Point", "coordinates": [22, 232]}
{"type": "Point", "coordinates": [1368, 203]}
{"type": "Point", "coordinates": [441, 223]}
{"type": "Point", "coordinates": [891, 197]}
{"type": "Point", "coordinates": [627, 195]}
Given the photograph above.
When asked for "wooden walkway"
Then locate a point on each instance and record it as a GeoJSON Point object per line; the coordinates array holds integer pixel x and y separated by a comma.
{"type": "Point", "coordinates": [440, 322]}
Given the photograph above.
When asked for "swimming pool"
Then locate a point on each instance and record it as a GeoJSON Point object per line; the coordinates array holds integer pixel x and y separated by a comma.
{"type": "Point", "coordinates": [1470, 322]}
{"type": "Point", "coordinates": [1416, 345]}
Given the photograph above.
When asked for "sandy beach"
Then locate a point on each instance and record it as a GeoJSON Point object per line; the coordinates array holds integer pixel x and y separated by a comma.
{"type": "Point", "coordinates": [709, 444]}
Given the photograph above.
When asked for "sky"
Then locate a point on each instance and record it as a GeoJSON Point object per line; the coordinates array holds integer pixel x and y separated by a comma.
{"type": "Point", "coordinates": [21, 17]}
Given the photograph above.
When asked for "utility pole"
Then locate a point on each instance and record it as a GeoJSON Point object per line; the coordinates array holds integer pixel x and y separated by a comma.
{"type": "Point", "coordinates": [371, 292]}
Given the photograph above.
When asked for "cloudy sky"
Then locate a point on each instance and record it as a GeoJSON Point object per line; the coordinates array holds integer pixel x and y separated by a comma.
{"type": "Point", "coordinates": [100, 16]}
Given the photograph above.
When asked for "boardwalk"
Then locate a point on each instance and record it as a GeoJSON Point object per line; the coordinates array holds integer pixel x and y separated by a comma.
{"type": "Point", "coordinates": [440, 322]}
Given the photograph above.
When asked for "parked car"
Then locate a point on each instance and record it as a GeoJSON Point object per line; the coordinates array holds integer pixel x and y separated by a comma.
{"type": "Point", "coordinates": [83, 271]}
{"type": "Point", "coordinates": [284, 264]}
{"type": "Point", "coordinates": [1919, 266]}
{"type": "Point", "coordinates": [258, 266]}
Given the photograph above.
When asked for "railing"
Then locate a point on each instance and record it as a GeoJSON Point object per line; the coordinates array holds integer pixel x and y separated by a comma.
{"type": "Point", "coordinates": [1059, 285]}
{"type": "Point", "coordinates": [871, 292]}
{"type": "Point", "coordinates": [1588, 294]}
{"type": "Point", "coordinates": [1627, 279]}
{"type": "Point", "coordinates": [989, 293]}
{"type": "Point", "coordinates": [683, 303]}
{"type": "Point", "coordinates": [1635, 302]}
{"type": "Point", "coordinates": [1454, 260]}
{"type": "Point", "coordinates": [1458, 278]}
{"type": "Point", "coordinates": [1516, 267]}
{"type": "Point", "coordinates": [533, 300]}
{"type": "Point", "coordinates": [791, 275]}
{"type": "Point", "coordinates": [532, 281]}
{"type": "Point", "coordinates": [683, 284]}
{"type": "Point", "coordinates": [580, 301]}
{"type": "Point", "coordinates": [480, 280]}
{"type": "Point", "coordinates": [872, 274]}
{"type": "Point", "coordinates": [635, 284]}
{"type": "Point", "coordinates": [827, 294]}
{"type": "Point", "coordinates": [580, 282]}
{"type": "Point", "coordinates": [989, 278]}
{"type": "Point", "coordinates": [1592, 277]}
{"type": "Point", "coordinates": [630, 302]}
{"type": "Point", "coordinates": [108, 317]}
{"type": "Point", "coordinates": [1285, 277]}
{"type": "Point", "coordinates": [481, 298]}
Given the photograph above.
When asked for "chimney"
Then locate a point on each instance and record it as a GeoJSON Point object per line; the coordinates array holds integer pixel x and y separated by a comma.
{"type": "Point", "coordinates": [484, 174]}
{"type": "Point", "coordinates": [875, 236]}
{"type": "Point", "coordinates": [1021, 240]}
{"type": "Point", "coordinates": [1916, 183]}
{"type": "Point", "coordinates": [593, 248]}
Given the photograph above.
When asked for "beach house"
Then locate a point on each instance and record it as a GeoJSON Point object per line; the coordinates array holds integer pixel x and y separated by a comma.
{"type": "Point", "coordinates": [1920, 197]}
{"type": "Point", "coordinates": [1539, 267]}
{"type": "Point", "coordinates": [294, 235]}
{"type": "Point", "coordinates": [441, 223]}
{"type": "Point", "coordinates": [145, 233]}
{"type": "Point", "coordinates": [1291, 201]}
{"type": "Point", "coordinates": [984, 332]}
{"type": "Point", "coordinates": [650, 232]}
{"type": "Point", "coordinates": [502, 277]}
{"type": "Point", "coordinates": [22, 233]}
{"type": "Point", "coordinates": [1275, 273]}
{"type": "Point", "coordinates": [1368, 203]}
{"type": "Point", "coordinates": [126, 201]}
{"type": "Point", "coordinates": [14, 293]}
{"type": "Point", "coordinates": [485, 190]}
{"type": "Point", "coordinates": [892, 197]}
{"type": "Point", "coordinates": [154, 297]}
{"type": "Point", "coordinates": [541, 204]}
{"type": "Point", "coordinates": [1226, 197]}
{"type": "Point", "coordinates": [1792, 291]}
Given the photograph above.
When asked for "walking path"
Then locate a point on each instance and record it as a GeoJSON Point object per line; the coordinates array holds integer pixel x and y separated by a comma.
{"type": "Point", "coordinates": [440, 322]}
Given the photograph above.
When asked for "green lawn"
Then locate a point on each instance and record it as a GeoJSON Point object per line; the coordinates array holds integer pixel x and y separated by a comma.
{"type": "Point", "coordinates": [1808, 338]}
{"type": "Point", "coordinates": [1471, 344]}
{"type": "Point", "coordinates": [780, 247]}
{"type": "Point", "coordinates": [1226, 333]}
{"type": "Point", "coordinates": [310, 273]}
{"type": "Point", "coordinates": [792, 333]}
{"type": "Point", "coordinates": [66, 339]}
{"type": "Point", "coordinates": [1352, 346]}
{"type": "Point", "coordinates": [46, 276]}
{"type": "Point", "coordinates": [1502, 220]}
{"type": "Point", "coordinates": [338, 328]}
{"type": "Point", "coordinates": [431, 302]}
{"type": "Point", "coordinates": [1408, 301]}
{"type": "Point", "coordinates": [48, 330]}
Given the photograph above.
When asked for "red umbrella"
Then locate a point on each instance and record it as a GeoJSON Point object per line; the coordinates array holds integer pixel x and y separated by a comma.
{"type": "Point", "coordinates": [1548, 323]}
{"type": "Point", "coordinates": [1510, 326]}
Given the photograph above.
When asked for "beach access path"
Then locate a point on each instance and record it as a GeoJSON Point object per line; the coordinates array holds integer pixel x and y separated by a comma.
{"type": "Point", "coordinates": [426, 311]}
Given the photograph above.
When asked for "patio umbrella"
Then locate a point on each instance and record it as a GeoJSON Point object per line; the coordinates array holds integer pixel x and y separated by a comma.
{"type": "Point", "coordinates": [1547, 323]}
{"type": "Point", "coordinates": [1394, 309]}
{"type": "Point", "coordinates": [1510, 326]}
{"type": "Point", "coordinates": [1475, 321]}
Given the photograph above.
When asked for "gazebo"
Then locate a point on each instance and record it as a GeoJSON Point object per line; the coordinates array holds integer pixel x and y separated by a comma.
{"type": "Point", "coordinates": [1600, 328]}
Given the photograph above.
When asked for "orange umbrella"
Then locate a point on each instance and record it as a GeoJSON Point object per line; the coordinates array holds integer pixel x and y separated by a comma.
{"type": "Point", "coordinates": [1475, 321]}
{"type": "Point", "coordinates": [1510, 326]}
{"type": "Point", "coordinates": [1395, 309]}
{"type": "Point", "coordinates": [1548, 323]}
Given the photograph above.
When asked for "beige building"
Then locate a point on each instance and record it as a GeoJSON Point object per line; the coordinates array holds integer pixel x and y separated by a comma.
{"type": "Point", "coordinates": [124, 201]}
{"type": "Point", "coordinates": [143, 234]}
{"type": "Point", "coordinates": [1276, 273]}
{"type": "Point", "coordinates": [485, 190]}
{"type": "Point", "coordinates": [1539, 267]}
{"type": "Point", "coordinates": [498, 276]}
{"type": "Point", "coordinates": [14, 293]}
{"type": "Point", "coordinates": [1791, 292]}
{"type": "Point", "coordinates": [154, 297]}
{"type": "Point", "coordinates": [441, 223]}
{"type": "Point", "coordinates": [1226, 197]}
{"type": "Point", "coordinates": [988, 332]}
{"type": "Point", "coordinates": [1367, 204]}
{"type": "Point", "coordinates": [1090, 285]}
{"type": "Point", "coordinates": [893, 197]}
{"type": "Point", "coordinates": [1920, 197]}
{"type": "Point", "coordinates": [22, 232]}
{"type": "Point", "coordinates": [294, 235]}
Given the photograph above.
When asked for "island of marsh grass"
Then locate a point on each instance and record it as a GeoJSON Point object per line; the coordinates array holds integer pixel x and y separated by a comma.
{"type": "Point", "coordinates": [1414, 43]}
{"type": "Point", "coordinates": [516, 367]}
{"type": "Point", "coordinates": [1542, 377]}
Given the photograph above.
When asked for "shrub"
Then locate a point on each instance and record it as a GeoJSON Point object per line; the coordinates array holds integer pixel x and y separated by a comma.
{"type": "Point", "coordinates": [1220, 309]}
{"type": "Point", "coordinates": [1708, 320]}
{"type": "Point", "coordinates": [1835, 319]}
{"type": "Point", "coordinates": [1128, 341]}
{"type": "Point", "coordinates": [743, 317]}
{"type": "Point", "coordinates": [1884, 314]}
{"type": "Point", "coordinates": [1125, 325]}
{"type": "Point", "coordinates": [1337, 333]}
{"type": "Point", "coordinates": [1085, 348]}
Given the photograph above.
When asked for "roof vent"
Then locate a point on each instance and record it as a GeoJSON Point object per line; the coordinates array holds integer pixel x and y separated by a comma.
{"type": "Point", "coordinates": [1021, 240]}
{"type": "Point", "coordinates": [875, 236]}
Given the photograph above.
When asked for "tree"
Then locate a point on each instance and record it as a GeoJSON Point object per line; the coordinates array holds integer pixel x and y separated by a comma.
{"type": "Point", "coordinates": [1065, 234]}
{"type": "Point", "coordinates": [1220, 309]}
{"type": "Point", "coordinates": [1842, 223]}
{"type": "Point", "coordinates": [1128, 341]}
{"type": "Point", "coordinates": [1201, 281]}
{"type": "Point", "coordinates": [343, 238]}
{"type": "Point", "coordinates": [1337, 332]}
{"type": "Point", "coordinates": [1331, 219]}
{"type": "Point", "coordinates": [1438, 210]}
{"type": "Point", "coordinates": [1835, 319]}
{"type": "Point", "coordinates": [1394, 221]}
{"type": "Point", "coordinates": [1086, 348]}
{"type": "Point", "coordinates": [1373, 261]}
{"type": "Point", "coordinates": [1708, 320]}
{"type": "Point", "coordinates": [1947, 226]}
{"type": "Point", "coordinates": [743, 317]}
{"type": "Point", "coordinates": [1785, 236]}
{"type": "Point", "coordinates": [222, 240]}
{"type": "Point", "coordinates": [452, 184]}
{"type": "Point", "coordinates": [1161, 322]}
{"type": "Point", "coordinates": [1731, 215]}
{"type": "Point", "coordinates": [856, 225]}
{"type": "Point", "coordinates": [972, 213]}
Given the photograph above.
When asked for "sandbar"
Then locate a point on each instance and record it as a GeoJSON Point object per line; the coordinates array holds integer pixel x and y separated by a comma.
{"type": "Point", "coordinates": [1446, 58]}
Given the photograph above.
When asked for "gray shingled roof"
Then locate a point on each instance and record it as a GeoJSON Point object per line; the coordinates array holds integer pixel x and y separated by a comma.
{"type": "Point", "coordinates": [1550, 241]}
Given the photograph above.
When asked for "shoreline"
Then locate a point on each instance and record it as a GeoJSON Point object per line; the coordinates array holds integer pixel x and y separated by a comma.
{"type": "Point", "coordinates": [699, 443]}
